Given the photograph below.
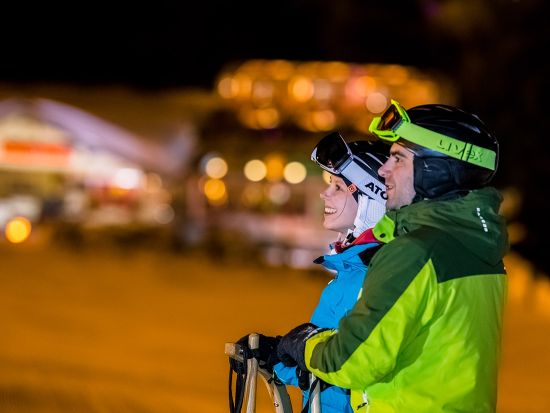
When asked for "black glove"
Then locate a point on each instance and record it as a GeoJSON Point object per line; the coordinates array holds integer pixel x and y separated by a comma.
{"type": "Point", "coordinates": [292, 345]}
{"type": "Point", "coordinates": [303, 378]}
{"type": "Point", "coordinates": [266, 353]}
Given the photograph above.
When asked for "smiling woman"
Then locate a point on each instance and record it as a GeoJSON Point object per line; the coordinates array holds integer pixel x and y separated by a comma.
{"type": "Point", "coordinates": [340, 206]}
{"type": "Point", "coordinates": [351, 209]}
{"type": "Point", "coordinates": [353, 170]}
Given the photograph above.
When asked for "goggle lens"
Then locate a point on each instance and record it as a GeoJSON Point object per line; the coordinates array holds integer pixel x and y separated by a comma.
{"type": "Point", "coordinates": [390, 119]}
{"type": "Point", "coordinates": [331, 152]}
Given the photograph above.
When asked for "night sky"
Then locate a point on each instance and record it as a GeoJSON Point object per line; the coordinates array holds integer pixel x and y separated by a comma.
{"type": "Point", "coordinates": [491, 50]}
{"type": "Point", "coordinates": [186, 44]}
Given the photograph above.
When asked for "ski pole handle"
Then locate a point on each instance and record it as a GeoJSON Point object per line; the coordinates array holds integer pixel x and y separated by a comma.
{"type": "Point", "coordinates": [252, 373]}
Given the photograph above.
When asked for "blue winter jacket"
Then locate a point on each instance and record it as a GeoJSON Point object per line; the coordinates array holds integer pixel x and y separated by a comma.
{"type": "Point", "coordinates": [337, 299]}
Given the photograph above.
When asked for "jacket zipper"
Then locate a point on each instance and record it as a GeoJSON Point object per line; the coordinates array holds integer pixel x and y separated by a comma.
{"type": "Point", "coordinates": [365, 401]}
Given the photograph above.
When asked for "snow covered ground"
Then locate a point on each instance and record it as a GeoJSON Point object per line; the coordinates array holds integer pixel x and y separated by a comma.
{"type": "Point", "coordinates": [120, 331]}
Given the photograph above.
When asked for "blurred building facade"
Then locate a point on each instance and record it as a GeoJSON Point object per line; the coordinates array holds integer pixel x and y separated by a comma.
{"type": "Point", "coordinates": [63, 165]}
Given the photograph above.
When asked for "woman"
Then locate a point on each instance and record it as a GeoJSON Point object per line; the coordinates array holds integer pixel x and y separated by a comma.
{"type": "Point", "coordinates": [354, 202]}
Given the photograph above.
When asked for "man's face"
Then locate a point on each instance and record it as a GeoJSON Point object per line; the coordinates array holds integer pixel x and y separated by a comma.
{"type": "Point", "coordinates": [398, 173]}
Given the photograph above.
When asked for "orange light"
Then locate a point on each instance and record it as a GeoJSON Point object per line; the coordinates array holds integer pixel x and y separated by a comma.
{"type": "Point", "coordinates": [376, 102]}
{"type": "Point", "coordinates": [323, 120]}
{"type": "Point", "coordinates": [301, 89]}
{"type": "Point", "coordinates": [267, 118]}
{"type": "Point", "coordinates": [228, 87]}
{"type": "Point", "coordinates": [215, 191]}
{"type": "Point", "coordinates": [18, 229]}
{"type": "Point", "coordinates": [34, 154]}
{"type": "Point", "coordinates": [275, 164]}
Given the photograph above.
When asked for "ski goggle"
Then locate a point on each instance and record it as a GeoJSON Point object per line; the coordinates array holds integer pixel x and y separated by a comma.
{"type": "Point", "coordinates": [395, 124]}
{"type": "Point", "coordinates": [333, 154]}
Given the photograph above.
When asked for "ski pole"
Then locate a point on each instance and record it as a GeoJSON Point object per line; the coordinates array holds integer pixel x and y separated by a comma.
{"type": "Point", "coordinates": [252, 374]}
{"type": "Point", "coordinates": [276, 390]}
{"type": "Point", "coordinates": [314, 394]}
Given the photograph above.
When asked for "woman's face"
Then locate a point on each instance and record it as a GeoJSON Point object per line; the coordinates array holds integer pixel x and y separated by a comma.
{"type": "Point", "coordinates": [340, 206]}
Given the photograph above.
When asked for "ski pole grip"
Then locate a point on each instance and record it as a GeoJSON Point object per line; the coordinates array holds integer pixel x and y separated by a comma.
{"type": "Point", "coordinates": [252, 366]}
{"type": "Point", "coordinates": [230, 349]}
{"type": "Point", "coordinates": [253, 341]}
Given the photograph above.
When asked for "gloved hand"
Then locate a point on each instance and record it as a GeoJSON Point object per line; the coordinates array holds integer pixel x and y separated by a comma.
{"type": "Point", "coordinates": [266, 353]}
{"type": "Point", "coordinates": [292, 345]}
{"type": "Point", "coordinates": [303, 378]}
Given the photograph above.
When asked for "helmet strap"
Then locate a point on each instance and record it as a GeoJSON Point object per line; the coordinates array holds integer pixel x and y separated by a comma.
{"type": "Point", "coordinates": [369, 212]}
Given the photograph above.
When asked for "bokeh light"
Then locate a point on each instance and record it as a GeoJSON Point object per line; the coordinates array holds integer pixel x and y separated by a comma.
{"type": "Point", "coordinates": [323, 120]}
{"type": "Point", "coordinates": [215, 191]}
{"type": "Point", "coordinates": [280, 69]}
{"type": "Point", "coordinates": [164, 214]}
{"type": "Point", "coordinates": [267, 118]}
{"type": "Point", "coordinates": [216, 167]}
{"type": "Point", "coordinates": [275, 164]}
{"type": "Point", "coordinates": [294, 172]}
{"type": "Point", "coordinates": [244, 85]}
{"type": "Point", "coordinates": [255, 170]}
{"type": "Point", "coordinates": [228, 87]}
{"type": "Point", "coordinates": [301, 88]}
{"type": "Point", "coordinates": [252, 195]}
{"type": "Point", "coordinates": [127, 178]}
{"type": "Point", "coordinates": [322, 89]}
{"type": "Point", "coordinates": [153, 182]}
{"type": "Point", "coordinates": [278, 193]}
{"type": "Point", "coordinates": [376, 102]}
{"type": "Point", "coordinates": [18, 229]}
{"type": "Point", "coordinates": [262, 91]}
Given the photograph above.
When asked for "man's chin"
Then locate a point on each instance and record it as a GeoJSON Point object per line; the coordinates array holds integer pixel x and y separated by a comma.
{"type": "Point", "coordinates": [390, 206]}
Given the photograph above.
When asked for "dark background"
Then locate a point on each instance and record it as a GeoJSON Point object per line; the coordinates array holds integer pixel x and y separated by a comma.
{"type": "Point", "coordinates": [493, 51]}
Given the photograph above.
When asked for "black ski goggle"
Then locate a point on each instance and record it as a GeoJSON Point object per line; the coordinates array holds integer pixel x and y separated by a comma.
{"type": "Point", "coordinates": [333, 154]}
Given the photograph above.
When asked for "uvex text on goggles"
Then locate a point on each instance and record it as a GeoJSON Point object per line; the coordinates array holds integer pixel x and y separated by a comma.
{"type": "Point", "coordinates": [333, 154]}
{"type": "Point", "coordinates": [395, 124]}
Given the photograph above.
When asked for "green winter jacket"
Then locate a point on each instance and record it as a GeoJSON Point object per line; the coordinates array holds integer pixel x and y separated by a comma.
{"type": "Point", "coordinates": [425, 333]}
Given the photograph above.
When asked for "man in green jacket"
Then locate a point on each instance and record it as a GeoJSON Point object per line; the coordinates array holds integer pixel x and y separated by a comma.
{"type": "Point", "coordinates": [425, 333]}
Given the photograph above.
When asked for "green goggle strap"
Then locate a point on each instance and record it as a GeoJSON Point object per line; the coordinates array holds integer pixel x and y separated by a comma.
{"type": "Point", "coordinates": [438, 142]}
{"type": "Point", "coordinates": [452, 147]}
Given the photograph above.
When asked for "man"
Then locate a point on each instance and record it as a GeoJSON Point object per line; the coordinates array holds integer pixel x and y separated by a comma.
{"type": "Point", "coordinates": [424, 336]}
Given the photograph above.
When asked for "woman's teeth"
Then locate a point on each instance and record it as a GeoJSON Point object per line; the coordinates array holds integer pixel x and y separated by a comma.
{"type": "Point", "coordinates": [329, 211]}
